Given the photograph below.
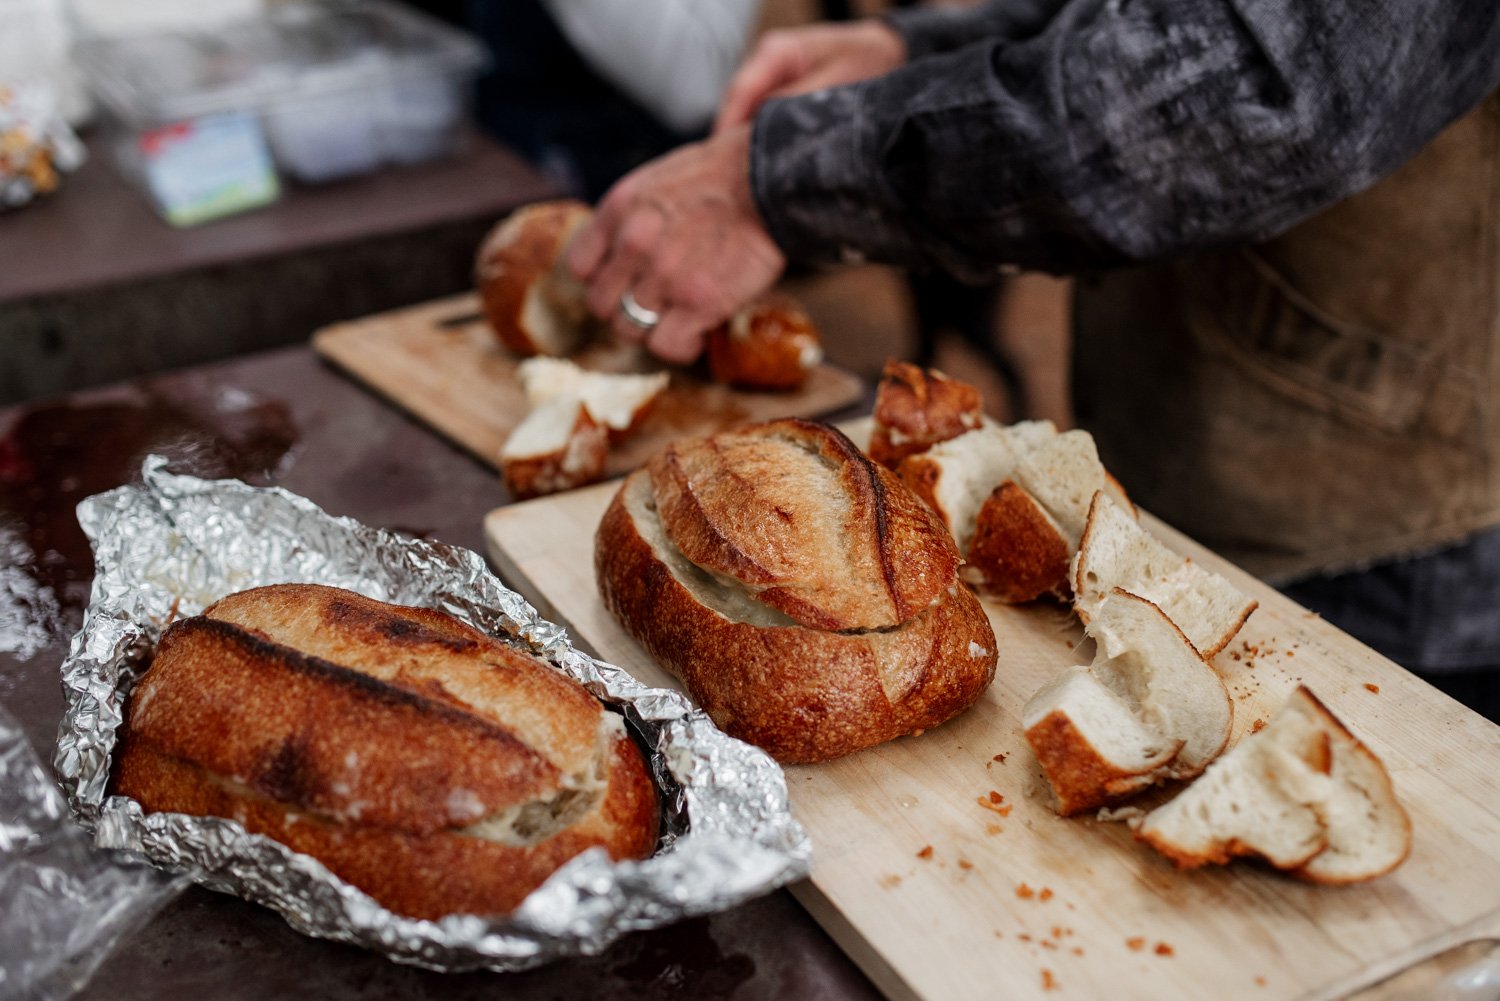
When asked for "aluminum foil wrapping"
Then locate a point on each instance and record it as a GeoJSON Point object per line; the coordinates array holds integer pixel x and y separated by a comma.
{"type": "Point", "coordinates": [178, 543]}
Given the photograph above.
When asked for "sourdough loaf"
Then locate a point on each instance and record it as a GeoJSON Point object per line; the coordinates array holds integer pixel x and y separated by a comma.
{"type": "Point", "coordinates": [420, 760]}
{"type": "Point", "coordinates": [1304, 793]}
{"type": "Point", "coordinates": [809, 601]}
{"type": "Point", "coordinates": [533, 303]}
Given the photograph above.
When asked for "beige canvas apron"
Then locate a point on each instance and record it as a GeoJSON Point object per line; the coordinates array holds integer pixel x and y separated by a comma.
{"type": "Point", "coordinates": [1325, 400]}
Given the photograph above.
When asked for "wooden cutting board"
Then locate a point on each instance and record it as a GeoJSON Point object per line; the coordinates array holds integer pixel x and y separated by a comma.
{"type": "Point", "coordinates": [440, 362]}
{"type": "Point", "coordinates": [939, 893]}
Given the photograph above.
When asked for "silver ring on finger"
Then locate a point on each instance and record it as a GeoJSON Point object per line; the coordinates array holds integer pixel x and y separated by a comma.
{"type": "Point", "coordinates": [636, 315]}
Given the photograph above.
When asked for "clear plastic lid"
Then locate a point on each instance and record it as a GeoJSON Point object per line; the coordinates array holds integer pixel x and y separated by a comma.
{"type": "Point", "coordinates": [292, 50]}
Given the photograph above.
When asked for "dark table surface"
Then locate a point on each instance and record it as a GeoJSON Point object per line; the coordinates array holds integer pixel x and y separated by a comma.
{"type": "Point", "coordinates": [283, 417]}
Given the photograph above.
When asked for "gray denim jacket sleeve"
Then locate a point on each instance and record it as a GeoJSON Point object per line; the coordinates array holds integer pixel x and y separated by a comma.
{"type": "Point", "coordinates": [1077, 134]}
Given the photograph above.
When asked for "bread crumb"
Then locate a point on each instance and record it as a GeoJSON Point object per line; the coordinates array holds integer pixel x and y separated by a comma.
{"type": "Point", "coordinates": [925, 853]}
{"type": "Point", "coordinates": [1163, 949]}
{"type": "Point", "coordinates": [1025, 892]}
{"type": "Point", "coordinates": [995, 802]}
{"type": "Point", "coordinates": [1024, 937]}
{"type": "Point", "coordinates": [1260, 981]}
{"type": "Point", "coordinates": [1057, 931]}
{"type": "Point", "coordinates": [1136, 944]}
{"type": "Point", "coordinates": [993, 829]}
{"type": "Point", "coordinates": [1047, 944]}
{"type": "Point", "coordinates": [1046, 893]}
{"type": "Point", "coordinates": [890, 881]}
{"type": "Point", "coordinates": [999, 934]}
{"type": "Point", "coordinates": [1257, 725]}
{"type": "Point", "coordinates": [1000, 757]}
{"type": "Point", "coordinates": [1049, 982]}
{"type": "Point", "coordinates": [1078, 950]}
{"type": "Point", "coordinates": [1373, 689]}
{"type": "Point", "coordinates": [964, 863]}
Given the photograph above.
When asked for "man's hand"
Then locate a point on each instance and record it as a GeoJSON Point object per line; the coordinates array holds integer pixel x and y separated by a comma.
{"type": "Point", "coordinates": [682, 236]}
{"type": "Point", "coordinates": [798, 60]}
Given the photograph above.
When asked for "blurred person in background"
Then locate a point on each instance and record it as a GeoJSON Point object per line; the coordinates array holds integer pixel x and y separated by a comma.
{"type": "Point", "coordinates": [1287, 339]}
{"type": "Point", "coordinates": [589, 89]}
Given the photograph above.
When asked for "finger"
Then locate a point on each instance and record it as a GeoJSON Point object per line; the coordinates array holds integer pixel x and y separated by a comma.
{"type": "Point", "coordinates": [679, 337]}
{"type": "Point", "coordinates": [771, 67]}
{"type": "Point", "coordinates": [590, 245]}
{"type": "Point", "coordinates": [634, 241]}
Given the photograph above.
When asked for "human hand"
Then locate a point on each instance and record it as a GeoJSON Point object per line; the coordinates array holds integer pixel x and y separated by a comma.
{"type": "Point", "coordinates": [811, 57]}
{"type": "Point", "coordinates": [682, 236]}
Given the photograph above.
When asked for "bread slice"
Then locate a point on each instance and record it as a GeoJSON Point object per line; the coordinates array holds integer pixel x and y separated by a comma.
{"type": "Point", "coordinates": [809, 602]}
{"type": "Point", "coordinates": [559, 446]}
{"type": "Point", "coordinates": [1116, 552]}
{"type": "Point", "coordinates": [955, 476]}
{"type": "Point", "coordinates": [1092, 746]}
{"type": "Point", "coordinates": [1063, 473]}
{"type": "Point", "coordinates": [1019, 552]}
{"type": "Point", "coordinates": [426, 763]}
{"type": "Point", "coordinates": [1147, 710]}
{"type": "Point", "coordinates": [531, 299]}
{"type": "Point", "coordinates": [1303, 793]}
{"type": "Point", "coordinates": [770, 345]}
{"type": "Point", "coordinates": [916, 408]}
{"type": "Point", "coordinates": [618, 401]}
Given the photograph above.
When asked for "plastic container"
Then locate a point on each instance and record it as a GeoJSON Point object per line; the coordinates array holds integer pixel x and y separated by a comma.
{"type": "Point", "coordinates": [315, 91]}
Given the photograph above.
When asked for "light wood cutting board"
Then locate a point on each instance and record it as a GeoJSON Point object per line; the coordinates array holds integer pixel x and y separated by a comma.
{"type": "Point", "coordinates": [1013, 901]}
{"type": "Point", "coordinates": [440, 362]}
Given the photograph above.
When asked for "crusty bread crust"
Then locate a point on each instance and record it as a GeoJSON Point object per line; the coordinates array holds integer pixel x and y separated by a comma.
{"type": "Point", "coordinates": [804, 694]}
{"type": "Point", "coordinates": [1018, 553]}
{"type": "Point", "coordinates": [388, 751]}
{"type": "Point", "coordinates": [771, 345]}
{"type": "Point", "coordinates": [1082, 778]}
{"type": "Point", "coordinates": [520, 259]}
{"type": "Point", "coordinates": [410, 870]}
{"type": "Point", "coordinates": [916, 408]}
{"type": "Point", "coordinates": [794, 511]}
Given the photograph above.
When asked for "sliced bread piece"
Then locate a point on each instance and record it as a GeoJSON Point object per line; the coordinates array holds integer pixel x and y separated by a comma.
{"type": "Point", "coordinates": [1303, 793]}
{"type": "Point", "coordinates": [916, 408]}
{"type": "Point", "coordinates": [559, 446]}
{"type": "Point", "coordinates": [1063, 473]}
{"type": "Point", "coordinates": [1116, 552]}
{"type": "Point", "coordinates": [1145, 658]}
{"type": "Point", "coordinates": [770, 345]}
{"type": "Point", "coordinates": [1092, 746]}
{"type": "Point", "coordinates": [1101, 733]}
{"type": "Point", "coordinates": [1019, 552]}
{"type": "Point", "coordinates": [618, 401]}
{"type": "Point", "coordinates": [956, 476]}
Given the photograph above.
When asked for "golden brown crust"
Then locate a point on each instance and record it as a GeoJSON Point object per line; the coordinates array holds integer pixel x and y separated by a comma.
{"type": "Point", "coordinates": [1081, 777]}
{"type": "Point", "coordinates": [771, 345]}
{"type": "Point", "coordinates": [1017, 554]}
{"type": "Point", "coordinates": [916, 408]}
{"type": "Point", "coordinates": [847, 547]}
{"type": "Point", "coordinates": [376, 751]}
{"type": "Point", "coordinates": [424, 874]}
{"type": "Point", "coordinates": [801, 693]}
{"type": "Point", "coordinates": [522, 251]}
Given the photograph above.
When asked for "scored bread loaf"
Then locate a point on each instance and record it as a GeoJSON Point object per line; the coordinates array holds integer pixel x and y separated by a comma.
{"type": "Point", "coordinates": [809, 601]}
{"type": "Point", "coordinates": [1304, 793]}
{"type": "Point", "coordinates": [532, 301]}
{"type": "Point", "coordinates": [1148, 709]}
{"type": "Point", "coordinates": [771, 344]}
{"type": "Point", "coordinates": [422, 761]}
{"type": "Point", "coordinates": [1116, 552]}
{"type": "Point", "coordinates": [916, 408]}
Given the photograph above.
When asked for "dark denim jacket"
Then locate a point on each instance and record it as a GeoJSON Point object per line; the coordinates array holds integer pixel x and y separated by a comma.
{"type": "Point", "coordinates": [1073, 134]}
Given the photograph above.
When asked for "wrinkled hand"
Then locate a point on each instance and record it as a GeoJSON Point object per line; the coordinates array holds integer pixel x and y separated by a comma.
{"type": "Point", "coordinates": [811, 57]}
{"type": "Point", "coordinates": [682, 235]}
